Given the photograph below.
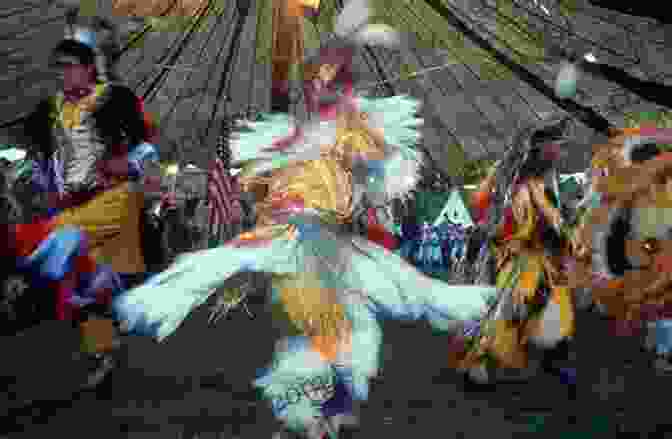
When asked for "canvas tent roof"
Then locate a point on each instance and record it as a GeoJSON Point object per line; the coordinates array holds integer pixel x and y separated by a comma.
{"type": "Point", "coordinates": [461, 107]}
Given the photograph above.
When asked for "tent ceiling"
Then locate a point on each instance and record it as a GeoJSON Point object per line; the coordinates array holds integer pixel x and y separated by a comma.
{"type": "Point", "coordinates": [460, 107]}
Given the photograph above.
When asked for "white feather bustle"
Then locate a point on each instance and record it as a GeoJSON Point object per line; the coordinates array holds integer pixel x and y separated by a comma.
{"type": "Point", "coordinates": [403, 172]}
{"type": "Point", "coordinates": [353, 24]}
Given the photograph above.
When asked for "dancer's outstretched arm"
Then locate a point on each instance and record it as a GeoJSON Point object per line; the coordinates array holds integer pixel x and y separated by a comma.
{"type": "Point", "coordinates": [398, 290]}
{"type": "Point", "coordinates": [160, 305]}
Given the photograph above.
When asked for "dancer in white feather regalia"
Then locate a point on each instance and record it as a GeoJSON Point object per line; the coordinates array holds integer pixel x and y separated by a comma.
{"type": "Point", "coordinates": [334, 286]}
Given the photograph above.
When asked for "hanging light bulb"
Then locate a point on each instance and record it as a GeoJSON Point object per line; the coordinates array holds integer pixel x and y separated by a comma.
{"type": "Point", "coordinates": [590, 57]}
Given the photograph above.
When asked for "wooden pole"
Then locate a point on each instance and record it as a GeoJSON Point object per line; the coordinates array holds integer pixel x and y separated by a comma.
{"type": "Point", "coordinates": [288, 46]}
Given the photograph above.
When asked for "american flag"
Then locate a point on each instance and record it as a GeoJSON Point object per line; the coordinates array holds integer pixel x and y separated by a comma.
{"type": "Point", "coordinates": [223, 194]}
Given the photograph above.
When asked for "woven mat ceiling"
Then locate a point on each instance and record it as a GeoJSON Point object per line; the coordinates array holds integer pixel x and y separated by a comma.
{"type": "Point", "coordinates": [468, 101]}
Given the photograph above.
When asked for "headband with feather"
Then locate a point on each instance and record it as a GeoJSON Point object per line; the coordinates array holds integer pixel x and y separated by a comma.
{"type": "Point", "coordinates": [352, 27]}
{"type": "Point", "coordinates": [87, 40]}
{"type": "Point", "coordinates": [268, 147]}
{"type": "Point", "coordinates": [517, 160]}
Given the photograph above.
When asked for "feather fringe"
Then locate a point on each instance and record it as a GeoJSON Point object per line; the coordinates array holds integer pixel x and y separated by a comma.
{"type": "Point", "coordinates": [306, 144]}
{"type": "Point", "coordinates": [397, 117]}
{"type": "Point", "coordinates": [402, 170]}
{"type": "Point", "coordinates": [355, 14]}
{"type": "Point", "coordinates": [160, 305]}
{"type": "Point", "coordinates": [256, 141]}
{"type": "Point", "coordinates": [267, 147]}
{"type": "Point", "coordinates": [353, 24]}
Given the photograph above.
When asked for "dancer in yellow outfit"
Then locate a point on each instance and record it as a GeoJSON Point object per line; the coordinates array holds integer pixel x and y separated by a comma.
{"type": "Point", "coordinates": [333, 285]}
{"type": "Point", "coordinates": [91, 141]}
{"type": "Point", "coordinates": [528, 248]}
{"type": "Point", "coordinates": [91, 154]}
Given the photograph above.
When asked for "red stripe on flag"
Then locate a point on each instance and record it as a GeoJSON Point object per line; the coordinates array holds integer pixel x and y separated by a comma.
{"type": "Point", "coordinates": [224, 196]}
{"type": "Point", "coordinates": [222, 182]}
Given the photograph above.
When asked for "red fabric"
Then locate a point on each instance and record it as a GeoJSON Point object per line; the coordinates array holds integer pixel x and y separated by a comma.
{"type": "Point", "coordinates": [75, 95]}
{"type": "Point", "coordinates": [480, 201]}
{"type": "Point", "coordinates": [280, 88]}
{"type": "Point", "coordinates": [224, 196]}
{"type": "Point", "coordinates": [168, 200]}
{"type": "Point", "coordinates": [457, 345]}
{"type": "Point", "coordinates": [508, 223]}
{"type": "Point", "coordinates": [28, 236]}
{"type": "Point", "coordinates": [150, 126]}
{"type": "Point", "coordinates": [64, 290]}
{"type": "Point", "coordinates": [378, 234]}
{"type": "Point", "coordinates": [625, 328]}
{"type": "Point", "coordinates": [666, 156]}
{"type": "Point", "coordinates": [117, 150]}
{"type": "Point", "coordinates": [104, 297]}
{"type": "Point", "coordinates": [663, 263]}
{"type": "Point", "coordinates": [85, 263]}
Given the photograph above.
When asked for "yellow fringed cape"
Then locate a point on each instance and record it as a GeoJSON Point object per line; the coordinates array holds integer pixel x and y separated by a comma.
{"type": "Point", "coordinates": [111, 221]}
{"type": "Point", "coordinates": [522, 267]}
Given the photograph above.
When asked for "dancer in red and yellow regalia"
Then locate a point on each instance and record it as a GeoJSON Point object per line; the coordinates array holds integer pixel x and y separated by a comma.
{"type": "Point", "coordinates": [333, 285]}
{"type": "Point", "coordinates": [530, 238]}
{"type": "Point", "coordinates": [91, 145]}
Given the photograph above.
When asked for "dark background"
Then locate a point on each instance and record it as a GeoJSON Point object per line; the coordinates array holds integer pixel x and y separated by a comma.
{"type": "Point", "coordinates": [459, 106]}
{"type": "Point", "coordinates": [198, 382]}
